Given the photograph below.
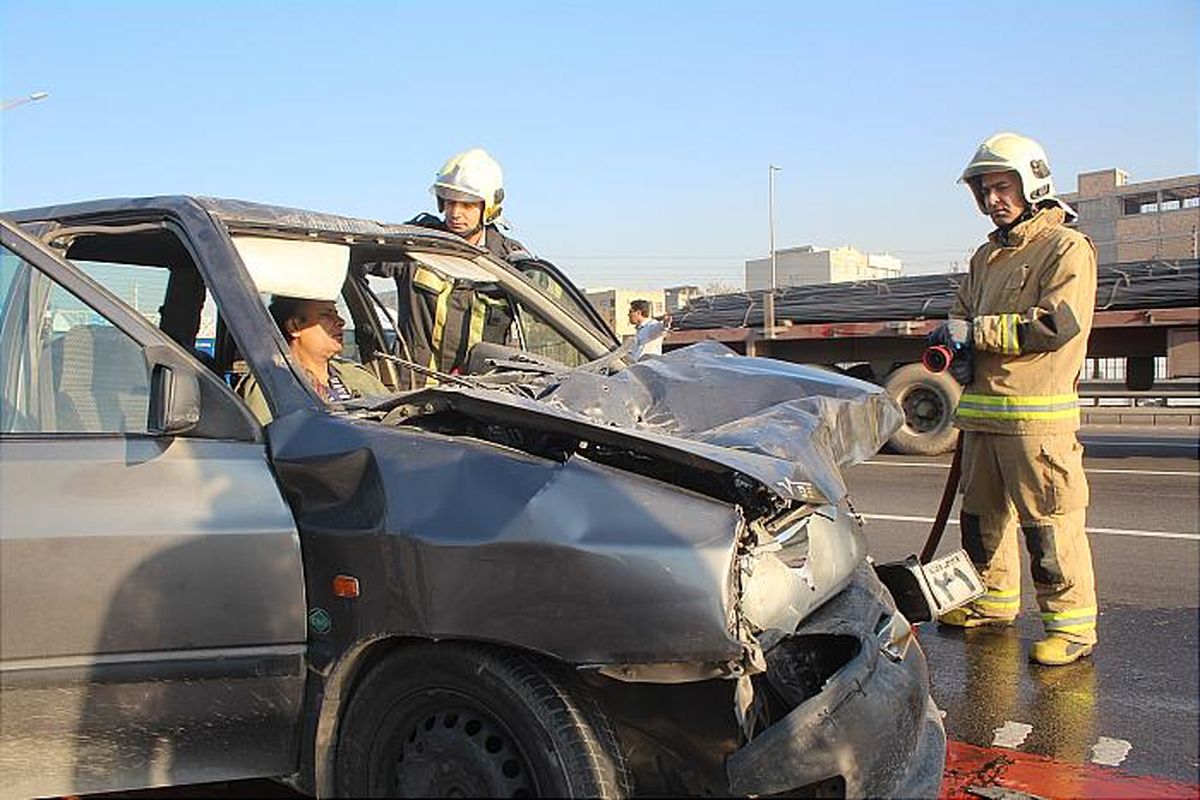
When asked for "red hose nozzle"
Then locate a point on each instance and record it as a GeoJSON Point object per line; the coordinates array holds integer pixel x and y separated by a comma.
{"type": "Point", "coordinates": [937, 358]}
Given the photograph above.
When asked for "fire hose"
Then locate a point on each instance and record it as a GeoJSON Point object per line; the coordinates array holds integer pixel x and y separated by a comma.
{"type": "Point", "coordinates": [937, 358]}
{"type": "Point", "coordinates": [943, 512]}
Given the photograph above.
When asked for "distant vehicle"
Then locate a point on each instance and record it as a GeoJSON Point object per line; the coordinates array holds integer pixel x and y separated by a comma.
{"type": "Point", "coordinates": [532, 568]}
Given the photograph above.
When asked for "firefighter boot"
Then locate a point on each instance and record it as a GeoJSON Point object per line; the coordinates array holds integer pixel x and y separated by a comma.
{"type": "Point", "coordinates": [969, 616]}
{"type": "Point", "coordinates": [1055, 651]}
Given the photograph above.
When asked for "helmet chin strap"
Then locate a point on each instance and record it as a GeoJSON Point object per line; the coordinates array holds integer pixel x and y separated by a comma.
{"type": "Point", "coordinates": [1005, 230]}
{"type": "Point", "coordinates": [471, 233]}
{"type": "Point", "coordinates": [1024, 215]}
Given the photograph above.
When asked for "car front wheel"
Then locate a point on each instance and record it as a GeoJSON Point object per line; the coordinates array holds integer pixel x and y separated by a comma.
{"type": "Point", "coordinates": [453, 720]}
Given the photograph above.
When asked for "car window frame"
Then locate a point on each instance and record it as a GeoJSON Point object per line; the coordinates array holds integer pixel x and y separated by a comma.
{"type": "Point", "coordinates": [156, 346]}
{"type": "Point", "coordinates": [577, 297]}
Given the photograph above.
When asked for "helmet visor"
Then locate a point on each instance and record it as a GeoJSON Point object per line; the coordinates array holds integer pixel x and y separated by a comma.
{"type": "Point", "coordinates": [449, 193]}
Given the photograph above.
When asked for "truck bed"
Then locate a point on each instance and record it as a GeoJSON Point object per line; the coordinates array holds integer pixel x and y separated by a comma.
{"type": "Point", "coordinates": [1124, 287]}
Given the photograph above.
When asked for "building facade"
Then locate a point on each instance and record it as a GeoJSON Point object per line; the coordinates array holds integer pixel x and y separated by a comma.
{"type": "Point", "coordinates": [1138, 221]}
{"type": "Point", "coordinates": [801, 266]}
{"type": "Point", "coordinates": [677, 297]}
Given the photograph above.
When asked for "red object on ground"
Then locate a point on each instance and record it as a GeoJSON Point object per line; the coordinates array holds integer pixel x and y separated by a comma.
{"type": "Point", "coordinates": [969, 766]}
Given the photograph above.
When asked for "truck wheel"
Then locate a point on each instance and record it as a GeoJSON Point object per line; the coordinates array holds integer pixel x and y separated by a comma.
{"type": "Point", "coordinates": [453, 720]}
{"type": "Point", "coordinates": [928, 400]}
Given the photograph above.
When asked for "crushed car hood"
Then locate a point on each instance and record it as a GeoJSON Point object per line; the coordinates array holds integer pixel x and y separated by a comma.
{"type": "Point", "coordinates": [789, 427]}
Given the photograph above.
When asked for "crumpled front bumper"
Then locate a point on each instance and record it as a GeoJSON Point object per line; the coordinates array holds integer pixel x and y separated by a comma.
{"type": "Point", "coordinates": [873, 724]}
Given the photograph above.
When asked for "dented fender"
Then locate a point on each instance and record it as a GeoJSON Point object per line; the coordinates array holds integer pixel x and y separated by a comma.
{"type": "Point", "coordinates": [451, 537]}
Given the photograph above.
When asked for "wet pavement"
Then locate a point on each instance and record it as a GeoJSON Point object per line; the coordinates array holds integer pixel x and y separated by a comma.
{"type": "Point", "coordinates": [1121, 723]}
{"type": "Point", "coordinates": [1132, 705]}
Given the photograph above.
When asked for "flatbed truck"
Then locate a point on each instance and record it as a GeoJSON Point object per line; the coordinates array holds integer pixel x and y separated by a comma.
{"type": "Point", "coordinates": [1143, 311]}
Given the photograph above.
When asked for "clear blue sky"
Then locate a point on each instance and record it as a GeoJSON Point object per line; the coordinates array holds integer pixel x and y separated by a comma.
{"type": "Point", "coordinates": [635, 137]}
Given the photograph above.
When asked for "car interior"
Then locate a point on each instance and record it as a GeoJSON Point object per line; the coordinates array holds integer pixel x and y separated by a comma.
{"type": "Point", "coordinates": [412, 317]}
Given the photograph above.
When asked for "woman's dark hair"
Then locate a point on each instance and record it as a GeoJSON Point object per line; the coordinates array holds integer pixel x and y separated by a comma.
{"type": "Point", "coordinates": [283, 308]}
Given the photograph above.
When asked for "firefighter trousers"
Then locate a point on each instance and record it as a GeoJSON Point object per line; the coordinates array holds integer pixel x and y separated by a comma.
{"type": "Point", "coordinates": [1034, 483]}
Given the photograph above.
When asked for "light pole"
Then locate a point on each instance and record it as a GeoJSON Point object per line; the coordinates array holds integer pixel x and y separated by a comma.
{"type": "Point", "coordinates": [20, 101]}
{"type": "Point", "coordinates": [769, 299]}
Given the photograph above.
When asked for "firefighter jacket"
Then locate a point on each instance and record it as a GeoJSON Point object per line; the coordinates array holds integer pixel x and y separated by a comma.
{"type": "Point", "coordinates": [1030, 296]}
{"type": "Point", "coordinates": [441, 319]}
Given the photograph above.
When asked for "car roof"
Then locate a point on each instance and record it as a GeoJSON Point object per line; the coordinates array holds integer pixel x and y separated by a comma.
{"type": "Point", "coordinates": [235, 213]}
{"type": "Point", "coordinates": [248, 215]}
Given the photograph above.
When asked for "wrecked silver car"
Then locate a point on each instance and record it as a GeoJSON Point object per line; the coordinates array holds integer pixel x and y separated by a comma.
{"type": "Point", "coordinates": [532, 567]}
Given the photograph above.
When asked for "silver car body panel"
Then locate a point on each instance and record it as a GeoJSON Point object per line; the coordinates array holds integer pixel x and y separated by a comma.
{"type": "Point", "coordinates": [165, 579]}
{"type": "Point", "coordinates": [152, 613]}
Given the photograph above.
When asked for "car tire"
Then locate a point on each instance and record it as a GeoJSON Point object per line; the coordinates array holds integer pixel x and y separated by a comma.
{"type": "Point", "coordinates": [928, 400]}
{"type": "Point", "coordinates": [444, 720]}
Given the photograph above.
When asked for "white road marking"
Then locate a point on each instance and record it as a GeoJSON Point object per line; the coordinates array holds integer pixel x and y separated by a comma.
{"type": "Point", "coordinates": [1011, 734]}
{"type": "Point", "coordinates": [1189, 537]}
{"type": "Point", "coordinates": [1110, 752]}
{"type": "Point", "coordinates": [1089, 471]}
{"type": "Point", "coordinates": [1142, 472]}
{"type": "Point", "coordinates": [1187, 445]}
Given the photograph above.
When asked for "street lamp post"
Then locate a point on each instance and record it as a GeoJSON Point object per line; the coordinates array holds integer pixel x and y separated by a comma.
{"type": "Point", "coordinates": [20, 101]}
{"type": "Point", "coordinates": [769, 299]}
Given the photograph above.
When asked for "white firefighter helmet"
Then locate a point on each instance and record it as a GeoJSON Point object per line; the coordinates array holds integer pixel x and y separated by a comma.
{"type": "Point", "coordinates": [472, 176]}
{"type": "Point", "coordinates": [1003, 152]}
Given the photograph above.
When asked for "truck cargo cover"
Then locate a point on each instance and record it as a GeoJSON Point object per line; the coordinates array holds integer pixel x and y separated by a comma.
{"type": "Point", "coordinates": [1151, 284]}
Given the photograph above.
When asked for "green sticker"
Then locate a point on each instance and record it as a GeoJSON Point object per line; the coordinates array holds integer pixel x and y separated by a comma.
{"type": "Point", "coordinates": [319, 620]}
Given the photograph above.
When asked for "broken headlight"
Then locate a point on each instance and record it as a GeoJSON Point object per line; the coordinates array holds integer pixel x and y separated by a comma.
{"type": "Point", "coordinates": [799, 666]}
{"type": "Point", "coordinates": [797, 567]}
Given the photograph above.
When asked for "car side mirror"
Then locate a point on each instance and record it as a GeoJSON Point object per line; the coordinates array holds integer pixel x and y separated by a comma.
{"type": "Point", "coordinates": [174, 400]}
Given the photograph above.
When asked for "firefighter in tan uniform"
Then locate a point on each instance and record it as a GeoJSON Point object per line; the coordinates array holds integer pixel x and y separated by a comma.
{"type": "Point", "coordinates": [1023, 317]}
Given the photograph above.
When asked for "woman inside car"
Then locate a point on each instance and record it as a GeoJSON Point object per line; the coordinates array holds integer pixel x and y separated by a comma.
{"type": "Point", "coordinates": [314, 330]}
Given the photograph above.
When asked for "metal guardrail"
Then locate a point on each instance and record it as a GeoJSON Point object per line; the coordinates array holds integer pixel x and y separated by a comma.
{"type": "Point", "coordinates": [1164, 389]}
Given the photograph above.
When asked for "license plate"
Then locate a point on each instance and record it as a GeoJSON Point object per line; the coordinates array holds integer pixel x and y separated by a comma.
{"type": "Point", "coordinates": [952, 581]}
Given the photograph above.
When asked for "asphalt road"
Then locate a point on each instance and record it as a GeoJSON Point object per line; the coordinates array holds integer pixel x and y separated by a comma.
{"type": "Point", "coordinates": [1133, 705]}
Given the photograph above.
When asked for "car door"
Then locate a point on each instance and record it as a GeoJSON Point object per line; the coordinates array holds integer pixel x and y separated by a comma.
{"type": "Point", "coordinates": [555, 285]}
{"type": "Point", "coordinates": [152, 619]}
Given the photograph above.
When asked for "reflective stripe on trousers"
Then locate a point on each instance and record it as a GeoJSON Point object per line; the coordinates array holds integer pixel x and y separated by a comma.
{"type": "Point", "coordinates": [1000, 602]}
{"type": "Point", "coordinates": [1076, 620]}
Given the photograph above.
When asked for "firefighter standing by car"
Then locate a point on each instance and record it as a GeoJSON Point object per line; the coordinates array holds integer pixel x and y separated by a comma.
{"type": "Point", "coordinates": [470, 192]}
{"type": "Point", "coordinates": [1020, 323]}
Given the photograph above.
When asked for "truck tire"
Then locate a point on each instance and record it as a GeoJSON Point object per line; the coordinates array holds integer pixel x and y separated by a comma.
{"type": "Point", "coordinates": [457, 720]}
{"type": "Point", "coordinates": [928, 400]}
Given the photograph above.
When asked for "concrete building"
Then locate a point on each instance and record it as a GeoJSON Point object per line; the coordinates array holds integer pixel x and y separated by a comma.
{"type": "Point", "coordinates": [800, 266]}
{"type": "Point", "coordinates": [613, 305]}
{"type": "Point", "coordinates": [1138, 221]}
{"type": "Point", "coordinates": [676, 297]}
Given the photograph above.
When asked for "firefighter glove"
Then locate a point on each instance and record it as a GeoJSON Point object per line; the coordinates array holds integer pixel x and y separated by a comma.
{"type": "Point", "coordinates": [962, 367]}
{"type": "Point", "coordinates": [953, 333]}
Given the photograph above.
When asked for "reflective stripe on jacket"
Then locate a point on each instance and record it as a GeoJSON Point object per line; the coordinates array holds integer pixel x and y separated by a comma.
{"type": "Point", "coordinates": [1030, 298]}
